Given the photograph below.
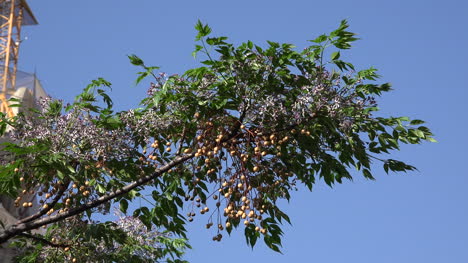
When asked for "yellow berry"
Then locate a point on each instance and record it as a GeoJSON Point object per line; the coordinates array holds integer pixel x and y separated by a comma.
{"type": "Point", "coordinates": [188, 150]}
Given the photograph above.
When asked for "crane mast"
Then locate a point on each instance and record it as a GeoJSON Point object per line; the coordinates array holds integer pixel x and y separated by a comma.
{"type": "Point", "coordinates": [13, 15]}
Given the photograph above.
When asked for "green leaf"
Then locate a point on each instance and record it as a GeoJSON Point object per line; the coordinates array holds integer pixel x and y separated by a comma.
{"type": "Point", "coordinates": [367, 174]}
{"type": "Point", "coordinates": [123, 205]}
{"type": "Point", "coordinates": [106, 98]}
{"type": "Point", "coordinates": [369, 74]}
{"type": "Point", "coordinates": [13, 99]}
{"type": "Point", "coordinates": [420, 134]}
{"type": "Point", "coordinates": [142, 76]}
{"type": "Point", "coordinates": [135, 60]}
{"type": "Point", "coordinates": [385, 166]}
{"type": "Point", "coordinates": [320, 39]}
{"type": "Point", "coordinates": [71, 169]}
{"type": "Point", "coordinates": [417, 122]}
{"type": "Point", "coordinates": [203, 30]}
{"type": "Point", "coordinates": [335, 55]}
{"type": "Point", "coordinates": [101, 189]}
{"type": "Point", "coordinates": [197, 49]}
{"type": "Point", "coordinates": [60, 175]}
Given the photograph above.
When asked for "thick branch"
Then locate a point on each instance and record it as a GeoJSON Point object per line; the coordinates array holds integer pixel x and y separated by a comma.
{"type": "Point", "coordinates": [20, 227]}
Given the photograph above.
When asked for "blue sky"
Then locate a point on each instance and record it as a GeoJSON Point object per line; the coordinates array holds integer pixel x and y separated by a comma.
{"type": "Point", "coordinates": [418, 46]}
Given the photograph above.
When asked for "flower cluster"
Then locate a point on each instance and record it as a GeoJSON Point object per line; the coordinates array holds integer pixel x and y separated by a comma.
{"type": "Point", "coordinates": [73, 133]}
{"type": "Point", "coordinates": [135, 241]}
{"type": "Point", "coordinates": [148, 123]}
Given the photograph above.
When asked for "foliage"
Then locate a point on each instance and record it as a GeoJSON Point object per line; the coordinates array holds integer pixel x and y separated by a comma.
{"type": "Point", "coordinates": [243, 130]}
{"type": "Point", "coordinates": [126, 240]}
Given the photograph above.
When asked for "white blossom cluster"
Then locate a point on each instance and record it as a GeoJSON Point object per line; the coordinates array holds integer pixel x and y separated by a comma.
{"type": "Point", "coordinates": [139, 234]}
{"type": "Point", "coordinates": [73, 133]}
{"type": "Point", "coordinates": [320, 97]}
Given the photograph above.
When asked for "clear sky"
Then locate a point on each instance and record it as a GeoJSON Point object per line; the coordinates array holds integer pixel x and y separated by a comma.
{"type": "Point", "coordinates": [418, 46]}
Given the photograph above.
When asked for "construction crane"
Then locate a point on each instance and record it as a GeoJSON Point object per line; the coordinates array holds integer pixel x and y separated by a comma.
{"type": "Point", "coordinates": [13, 15]}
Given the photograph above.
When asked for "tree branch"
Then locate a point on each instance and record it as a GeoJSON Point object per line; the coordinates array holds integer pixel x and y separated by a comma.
{"type": "Point", "coordinates": [20, 227]}
{"type": "Point", "coordinates": [44, 211]}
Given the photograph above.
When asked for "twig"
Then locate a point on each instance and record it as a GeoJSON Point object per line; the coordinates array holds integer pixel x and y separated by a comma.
{"type": "Point", "coordinates": [179, 151]}
{"type": "Point", "coordinates": [43, 240]}
{"type": "Point", "coordinates": [44, 211]}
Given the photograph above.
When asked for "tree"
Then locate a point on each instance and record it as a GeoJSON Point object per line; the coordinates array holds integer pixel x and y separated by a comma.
{"type": "Point", "coordinates": [228, 139]}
